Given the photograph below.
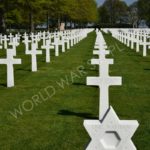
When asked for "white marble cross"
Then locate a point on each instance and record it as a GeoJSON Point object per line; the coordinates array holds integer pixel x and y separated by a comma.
{"type": "Point", "coordinates": [10, 61]}
{"type": "Point", "coordinates": [145, 45]}
{"type": "Point", "coordinates": [67, 40]}
{"type": "Point", "coordinates": [5, 39]}
{"type": "Point", "coordinates": [99, 45]}
{"type": "Point", "coordinates": [108, 133]}
{"type": "Point", "coordinates": [56, 40]}
{"type": "Point", "coordinates": [17, 37]}
{"type": "Point", "coordinates": [14, 44]}
{"type": "Point", "coordinates": [104, 82]}
{"type": "Point", "coordinates": [34, 39]}
{"type": "Point", "coordinates": [101, 50]}
{"type": "Point", "coordinates": [75, 38]}
{"type": "Point", "coordinates": [34, 52]}
{"type": "Point", "coordinates": [10, 37]}
{"type": "Point", "coordinates": [133, 39]}
{"type": "Point", "coordinates": [72, 38]}
{"type": "Point", "coordinates": [62, 43]}
{"type": "Point", "coordinates": [44, 38]}
{"type": "Point", "coordinates": [26, 41]}
{"type": "Point", "coordinates": [137, 41]}
{"type": "Point", "coordinates": [47, 47]}
{"type": "Point", "coordinates": [128, 39]}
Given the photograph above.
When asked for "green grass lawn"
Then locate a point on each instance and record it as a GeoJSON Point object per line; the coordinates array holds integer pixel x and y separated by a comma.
{"type": "Point", "coordinates": [132, 99]}
{"type": "Point", "coordinates": [52, 114]}
{"type": "Point", "coordinates": [55, 122]}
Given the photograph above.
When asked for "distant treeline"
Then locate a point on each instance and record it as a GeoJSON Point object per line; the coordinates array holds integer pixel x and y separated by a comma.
{"type": "Point", "coordinates": [116, 13]}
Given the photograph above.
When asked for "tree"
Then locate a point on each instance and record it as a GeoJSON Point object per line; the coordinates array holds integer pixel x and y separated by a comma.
{"type": "Point", "coordinates": [71, 10]}
{"type": "Point", "coordinates": [114, 9]}
{"type": "Point", "coordinates": [133, 14]}
{"type": "Point", "coordinates": [33, 9]}
{"type": "Point", "coordinates": [144, 10]}
{"type": "Point", "coordinates": [31, 12]}
{"type": "Point", "coordinates": [104, 16]}
{"type": "Point", "coordinates": [3, 10]}
{"type": "Point", "coordinates": [9, 14]}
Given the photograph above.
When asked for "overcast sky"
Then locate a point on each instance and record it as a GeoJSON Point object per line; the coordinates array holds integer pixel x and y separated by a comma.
{"type": "Point", "coordinates": [127, 1]}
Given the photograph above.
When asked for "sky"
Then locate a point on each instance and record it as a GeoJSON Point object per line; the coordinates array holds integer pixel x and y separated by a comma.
{"type": "Point", "coordinates": [127, 1]}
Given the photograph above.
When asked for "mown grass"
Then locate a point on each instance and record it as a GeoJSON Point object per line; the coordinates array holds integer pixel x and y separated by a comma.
{"type": "Point", "coordinates": [56, 121]}
{"type": "Point", "coordinates": [132, 99]}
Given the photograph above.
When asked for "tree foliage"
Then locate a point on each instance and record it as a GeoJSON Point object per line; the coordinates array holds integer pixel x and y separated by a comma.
{"type": "Point", "coordinates": [31, 12]}
{"type": "Point", "coordinates": [144, 10]}
{"type": "Point", "coordinates": [112, 10]}
{"type": "Point", "coordinates": [133, 14]}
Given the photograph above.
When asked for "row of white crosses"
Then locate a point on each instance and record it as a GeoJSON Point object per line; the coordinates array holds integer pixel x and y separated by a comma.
{"type": "Point", "coordinates": [107, 133]}
{"type": "Point", "coordinates": [48, 45]}
{"type": "Point", "coordinates": [32, 42]}
{"type": "Point", "coordinates": [132, 37]}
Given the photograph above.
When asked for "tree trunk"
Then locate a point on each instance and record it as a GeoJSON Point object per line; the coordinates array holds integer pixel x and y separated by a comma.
{"type": "Point", "coordinates": [31, 21]}
{"type": "Point", "coordinates": [2, 23]}
{"type": "Point", "coordinates": [58, 23]}
{"type": "Point", "coordinates": [70, 24]}
{"type": "Point", "coordinates": [47, 21]}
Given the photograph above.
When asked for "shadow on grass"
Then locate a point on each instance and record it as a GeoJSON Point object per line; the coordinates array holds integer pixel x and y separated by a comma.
{"type": "Point", "coordinates": [83, 84]}
{"type": "Point", "coordinates": [3, 85]}
{"type": "Point", "coordinates": [135, 55]}
{"type": "Point", "coordinates": [90, 70]}
{"type": "Point", "coordinates": [146, 69]}
{"type": "Point", "coordinates": [75, 83]}
{"type": "Point", "coordinates": [21, 69]}
{"type": "Point", "coordinates": [77, 114]}
{"type": "Point", "coordinates": [147, 61]}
